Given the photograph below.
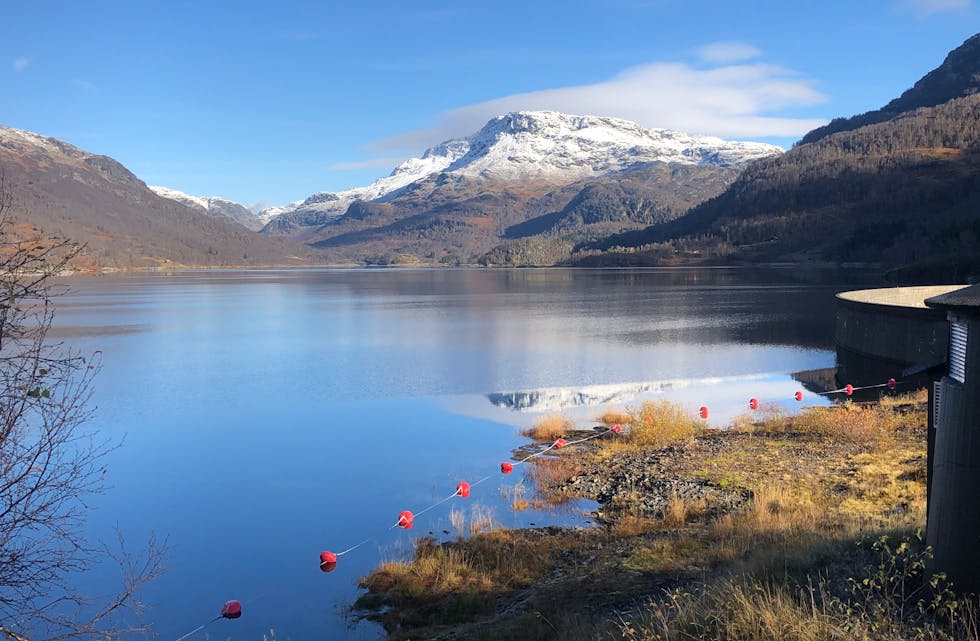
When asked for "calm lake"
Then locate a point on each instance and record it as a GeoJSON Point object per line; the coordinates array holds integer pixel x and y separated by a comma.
{"type": "Point", "coordinates": [270, 415]}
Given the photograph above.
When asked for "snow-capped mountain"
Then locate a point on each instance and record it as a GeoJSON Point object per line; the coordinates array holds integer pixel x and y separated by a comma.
{"type": "Point", "coordinates": [331, 204]}
{"type": "Point", "coordinates": [213, 206]}
{"type": "Point", "coordinates": [544, 146]}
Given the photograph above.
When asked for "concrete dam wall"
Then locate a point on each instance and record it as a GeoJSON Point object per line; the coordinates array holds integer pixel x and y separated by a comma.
{"type": "Point", "coordinates": [882, 331]}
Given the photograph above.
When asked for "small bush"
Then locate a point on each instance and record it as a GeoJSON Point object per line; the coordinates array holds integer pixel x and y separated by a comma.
{"type": "Point", "coordinates": [549, 428]}
{"type": "Point", "coordinates": [658, 423]}
{"type": "Point", "coordinates": [610, 417]}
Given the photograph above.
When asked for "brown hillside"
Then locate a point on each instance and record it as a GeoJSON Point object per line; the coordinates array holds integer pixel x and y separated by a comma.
{"type": "Point", "coordinates": [93, 200]}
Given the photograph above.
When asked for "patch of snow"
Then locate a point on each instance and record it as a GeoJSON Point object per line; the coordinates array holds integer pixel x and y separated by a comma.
{"type": "Point", "coordinates": [550, 145]}
{"type": "Point", "coordinates": [179, 196]}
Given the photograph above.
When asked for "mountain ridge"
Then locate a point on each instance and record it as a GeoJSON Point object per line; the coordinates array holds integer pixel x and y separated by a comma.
{"type": "Point", "coordinates": [214, 206]}
{"type": "Point", "coordinates": [59, 190]}
{"type": "Point", "coordinates": [530, 146]}
{"type": "Point", "coordinates": [903, 194]}
{"type": "Point", "coordinates": [957, 77]}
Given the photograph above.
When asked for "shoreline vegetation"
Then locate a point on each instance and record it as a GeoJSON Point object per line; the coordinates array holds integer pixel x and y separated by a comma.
{"type": "Point", "coordinates": [800, 527]}
{"type": "Point", "coordinates": [175, 268]}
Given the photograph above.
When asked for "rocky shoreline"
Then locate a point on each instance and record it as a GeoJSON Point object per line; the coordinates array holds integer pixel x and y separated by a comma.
{"type": "Point", "coordinates": [645, 482]}
{"type": "Point", "coordinates": [673, 520]}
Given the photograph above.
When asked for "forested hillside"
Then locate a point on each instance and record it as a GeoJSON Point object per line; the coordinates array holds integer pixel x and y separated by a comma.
{"type": "Point", "coordinates": [905, 193]}
{"type": "Point", "coordinates": [957, 77]}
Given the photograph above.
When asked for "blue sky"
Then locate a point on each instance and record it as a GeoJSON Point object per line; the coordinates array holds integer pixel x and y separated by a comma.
{"type": "Point", "coordinates": [260, 101]}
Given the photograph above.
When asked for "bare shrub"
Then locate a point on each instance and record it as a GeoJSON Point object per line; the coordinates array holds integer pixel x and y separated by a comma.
{"type": "Point", "coordinates": [549, 428]}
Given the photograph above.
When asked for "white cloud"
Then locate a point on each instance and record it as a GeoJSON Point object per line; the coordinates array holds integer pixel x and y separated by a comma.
{"type": "Point", "coordinates": [930, 7]}
{"type": "Point", "coordinates": [728, 101]}
{"type": "Point", "coordinates": [20, 64]}
{"type": "Point", "coordinates": [728, 52]}
{"type": "Point", "coordinates": [374, 163]}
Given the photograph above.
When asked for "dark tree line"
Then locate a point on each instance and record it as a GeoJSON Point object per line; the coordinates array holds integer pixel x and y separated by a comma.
{"type": "Point", "coordinates": [905, 193]}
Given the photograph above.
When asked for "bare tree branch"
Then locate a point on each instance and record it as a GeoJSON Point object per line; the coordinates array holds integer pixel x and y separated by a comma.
{"type": "Point", "coordinates": [50, 459]}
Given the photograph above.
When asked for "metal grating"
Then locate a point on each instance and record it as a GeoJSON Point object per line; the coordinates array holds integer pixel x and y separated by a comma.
{"type": "Point", "coordinates": [957, 351]}
{"type": "Point", "coordinates": [937, 392]}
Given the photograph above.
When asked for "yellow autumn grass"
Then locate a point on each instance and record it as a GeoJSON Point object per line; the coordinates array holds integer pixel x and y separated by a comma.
{"type": "Point", "coordinates": [549, 428]}
{"type": "Point", "coordinates": [659, 423]}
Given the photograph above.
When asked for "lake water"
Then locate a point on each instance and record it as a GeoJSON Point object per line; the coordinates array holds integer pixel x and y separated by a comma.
{"type": "Point", "coordinates": [270, 415]}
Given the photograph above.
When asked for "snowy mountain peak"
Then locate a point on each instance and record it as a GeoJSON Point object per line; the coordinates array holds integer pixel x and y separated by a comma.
{"type": "Point", "coordinates": [213, 206]}
{"type": "Point", "coordinates": [552, 123]}
{"type": "Point", "coordinates": [552, 146]}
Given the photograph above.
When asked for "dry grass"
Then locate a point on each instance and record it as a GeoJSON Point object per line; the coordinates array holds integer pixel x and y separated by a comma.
{"type": "Point", "coordinates": [743, 610]}
{"type": "Point", "coordinates": [774, 509]}
{"type": "Point", "coordinates": [549, 475]}
{"type": "Point", "coordinates": [776, 519]}
{"type": "Point", "coordinates": [481, 519]}
{"type": "Point", "coordinates": [681, 510]}
{"type": "Point", "coordinates": [822, 482]}
{"type": "Point", "coordinates": [631, 525]}
{"type": "Point", "coordinates": [917, 398]}
{"type": "Point", "coordinates": [434, 569]}
{"type": "Point", "coordinates": [658, 423]}
{"type": "Point", "coordinates": [738, 610]}
{"type": "Point", "coordinates": [847, 422]}
{"type": "Point", "coordinates": [457, 519]}
{"type": "Point", "coordinates": [549, 428]}
{"type": "Point", "coordinates": [890, 598]}
{"type": "Point", "coordinates": [516, 495]}
{"type": "Point", "coordinates": [892, 480]}
{"type": "Point", "coordinates": [611, 417]}
{"type": "Point", "coordinates": [438, 574]}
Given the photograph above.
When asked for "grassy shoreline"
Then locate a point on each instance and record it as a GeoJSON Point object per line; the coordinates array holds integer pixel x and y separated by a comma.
{"type": "Point", "coordinates": [780, 527]}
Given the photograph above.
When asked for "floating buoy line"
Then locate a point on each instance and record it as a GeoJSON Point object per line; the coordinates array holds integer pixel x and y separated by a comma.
{"type": "Point", "coordinates": [406, 518]}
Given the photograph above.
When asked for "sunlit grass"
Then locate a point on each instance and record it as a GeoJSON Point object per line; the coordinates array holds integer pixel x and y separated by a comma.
{"type": "Point", "coordinates": [549, 428]}
{"type": "Point", "coordinates": [658, 423]}
{"type": "Point", "coordinates": [846, 421]}
{"type": "Point", "coordinates": [821, 482]}
{"type": "Point", "coordinates": [917, 397]}
{"type": "Point", "coordinates": [612, 417]}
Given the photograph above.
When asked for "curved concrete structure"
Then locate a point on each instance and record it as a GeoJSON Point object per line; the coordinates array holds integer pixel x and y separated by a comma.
{"type": "Point", "coordinates": [881, 330]}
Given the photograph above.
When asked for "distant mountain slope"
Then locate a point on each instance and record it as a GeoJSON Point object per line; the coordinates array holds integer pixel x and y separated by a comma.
{"type": "Point", "coordinates": [648, 194]}
{"type": "Point", "coordinates": [464, 197]}
{"type": "Point", "coordinates": [214, 206]}
{"type": "Point", "coordinates": [91, 199]}
{"type": "Point", "coordinates": [462, 220]}
{"type": "Point", "coordinates": [543, 146]}
{"type": "Point", "coordinates": [905, 193]}
{"type": "Point", "coordinates": [958, 76]}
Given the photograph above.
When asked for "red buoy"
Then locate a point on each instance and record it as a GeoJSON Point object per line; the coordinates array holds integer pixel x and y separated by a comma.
{"type": "Point", "coordinates": [754, 403]}
{"type": "Point", "coordinates": [463, 489]}
{"type": "Point", "coordinates": [231, 609]}
{"type": "Point", "coordinates": [798, 396]}
{"type": "Point", "coordinates": [328, 561]}
{"type": "Point", "coordinates": [617, 428]}
{"type": "Point", "coordinates": [703, 412]}
{"type": "Point", "coordinates": [849, 389]}
{"type": "Point", "coordinates": [506, 468]}
{"type": "Point", "coordinates": [891, 384]}
{"type": "Point", "coordinates": [560, 443]}
{"type": "Point", "coordinates": [405, 519]}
